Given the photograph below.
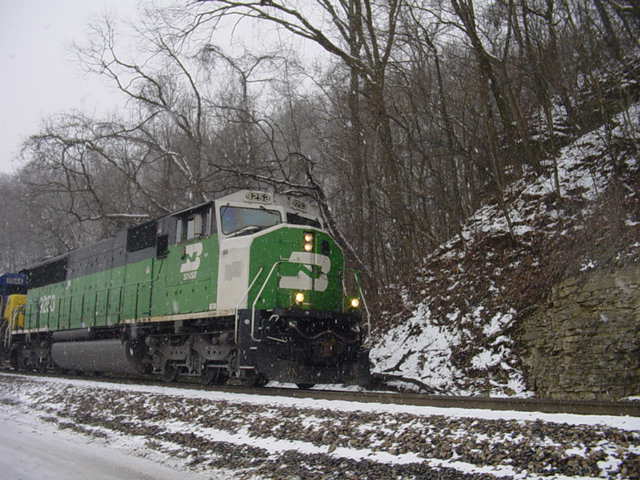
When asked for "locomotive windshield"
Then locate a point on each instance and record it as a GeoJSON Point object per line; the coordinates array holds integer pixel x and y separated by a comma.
{"type": "Point", "coordinates": [296, 219]}
{"type": "Point", "coordinates": [239, 220]}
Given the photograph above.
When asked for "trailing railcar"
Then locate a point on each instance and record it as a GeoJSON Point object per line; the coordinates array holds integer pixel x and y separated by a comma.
{"type": "Point", "coordinates": [13, 286]}
{"type": "Point", "coordinates": [248, 287]}
{"type": "Point", "coordinates": [13, 289]}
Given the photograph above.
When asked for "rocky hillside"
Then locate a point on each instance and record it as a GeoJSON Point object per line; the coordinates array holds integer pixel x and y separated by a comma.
{"type": "Point", "coordinates": [461, 327]}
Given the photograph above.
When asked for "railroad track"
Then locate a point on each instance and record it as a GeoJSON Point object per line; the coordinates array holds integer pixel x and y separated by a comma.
{"type": "Point", "coordinates": [579, 407]}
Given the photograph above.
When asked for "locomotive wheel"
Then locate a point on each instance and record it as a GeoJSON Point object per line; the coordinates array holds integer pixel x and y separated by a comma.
{"type": "Point", "coordinates": [305, 386]}
{"type": "Point", "coordinates": [13, 360]}
{"type": "Point", "coordinates": [259, 380]}
{"type": "Point", "coordinates": [42, 366]}
{"type": "Point", "coordinates": [213, 376]}
{"type": "Point", "coordinates": [24, 363]}
{"type": "Point", "coordinates": [170, 373]}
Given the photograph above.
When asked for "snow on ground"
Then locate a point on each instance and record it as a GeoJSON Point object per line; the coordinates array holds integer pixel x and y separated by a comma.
{"type": "Point", "coordinates": [228, 435]}
{"type": "Point", "coordinates": [31, 449]}
{"type": "Point", "coordinates": [457, 338]}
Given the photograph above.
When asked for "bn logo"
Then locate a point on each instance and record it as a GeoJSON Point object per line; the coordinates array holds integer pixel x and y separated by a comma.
{"type": "Point", "coordinates": [312, 274]}
{"type": "Point", "coordinates": [189, 268]}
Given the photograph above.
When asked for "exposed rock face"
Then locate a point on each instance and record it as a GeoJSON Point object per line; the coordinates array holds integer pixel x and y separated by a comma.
{"type": "Point", "coordinates": [585, 342]}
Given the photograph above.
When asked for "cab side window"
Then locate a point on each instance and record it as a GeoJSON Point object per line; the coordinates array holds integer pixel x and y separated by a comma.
{"type": "Point", "coordinates": [193, 225]}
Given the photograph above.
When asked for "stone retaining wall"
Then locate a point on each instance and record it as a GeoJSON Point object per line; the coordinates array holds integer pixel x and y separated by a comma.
{"type": "Point", "coordinates": [585, 342]}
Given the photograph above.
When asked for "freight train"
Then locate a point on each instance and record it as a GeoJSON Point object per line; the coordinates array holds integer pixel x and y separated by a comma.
{"type": "Point", "coordinates": [247, 288]}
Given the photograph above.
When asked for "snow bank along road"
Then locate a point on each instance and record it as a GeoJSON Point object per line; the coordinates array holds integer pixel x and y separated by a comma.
{"type": "Point", "coordinates": [108, 427]}
{"type": "Point", "coordinates": [32, 450]}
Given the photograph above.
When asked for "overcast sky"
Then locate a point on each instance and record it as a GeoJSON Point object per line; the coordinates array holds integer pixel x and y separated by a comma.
{"type": "Point", "coordinates": [39, 75]}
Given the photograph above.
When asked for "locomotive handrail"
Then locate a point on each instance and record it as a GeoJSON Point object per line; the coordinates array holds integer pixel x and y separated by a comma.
{"type": "Point", "coordinates": [246, 294]}
{"type": "Point", "coordinates": [11, 325]}
{"type": "Point", "coordinates": [366, 307]}
{"type": "Point", "coordinates": [253, 307]}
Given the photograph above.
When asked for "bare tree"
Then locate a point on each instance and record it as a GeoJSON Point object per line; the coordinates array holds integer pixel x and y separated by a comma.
{"type": "Point", "coordinates": [360, 34]}
{"type": "Point", "coordinates": [164, 92]}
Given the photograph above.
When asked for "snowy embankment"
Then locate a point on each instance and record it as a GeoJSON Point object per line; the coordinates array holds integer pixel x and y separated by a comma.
{"type": "Point", "coordinates": [225, 435]}
{"type": "Point", "coordinates": [475, 288]}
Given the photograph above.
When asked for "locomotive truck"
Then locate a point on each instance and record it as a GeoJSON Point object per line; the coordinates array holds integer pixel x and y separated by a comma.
{"type": "Point", "coordinates": [247, 288]}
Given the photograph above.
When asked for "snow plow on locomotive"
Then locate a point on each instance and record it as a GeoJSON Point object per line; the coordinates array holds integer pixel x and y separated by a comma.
{"type": "Point", "coordinates": [247, 288]}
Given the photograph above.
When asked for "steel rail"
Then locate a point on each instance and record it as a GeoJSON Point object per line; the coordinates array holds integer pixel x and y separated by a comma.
{"type": "Point", "coordinates": [543, 405]}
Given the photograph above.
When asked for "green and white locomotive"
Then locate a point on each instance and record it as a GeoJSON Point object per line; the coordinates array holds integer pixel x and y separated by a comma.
{"type": "Point", "coordinates": [248, 287]}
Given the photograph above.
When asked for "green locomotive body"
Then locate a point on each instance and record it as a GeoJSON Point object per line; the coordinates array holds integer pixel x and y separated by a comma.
{"type": "Point", "coordinates": [248, 287]}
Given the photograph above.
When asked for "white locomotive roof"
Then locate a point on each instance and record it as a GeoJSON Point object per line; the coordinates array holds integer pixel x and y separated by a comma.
{"type": "Point", "coordinates": [255, 197]}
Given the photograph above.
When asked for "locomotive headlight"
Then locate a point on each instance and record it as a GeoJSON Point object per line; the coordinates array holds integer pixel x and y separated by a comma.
{"type": "Point", "coordinates": [355, 303]}
{"type": "Point", "coordinates": [299, 298]}
{"type": "Point", "coordinates": [308, 241]}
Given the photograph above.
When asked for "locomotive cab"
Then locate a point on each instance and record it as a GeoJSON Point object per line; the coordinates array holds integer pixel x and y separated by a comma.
{"type": "Point", "coordinates": [13, 289]}
{"type": "Point", "coordinates": [284, 276]}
